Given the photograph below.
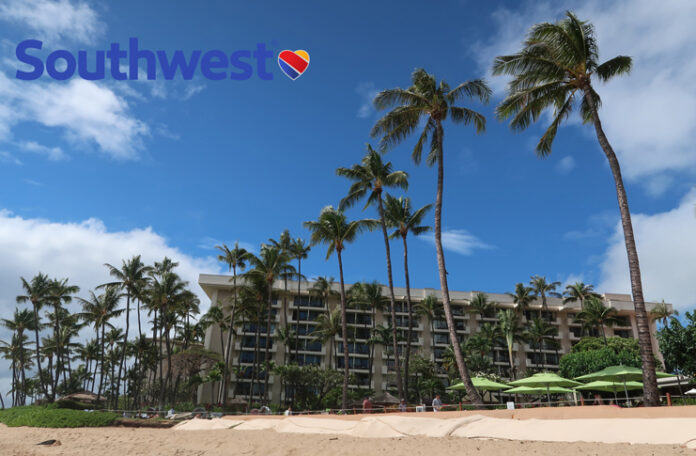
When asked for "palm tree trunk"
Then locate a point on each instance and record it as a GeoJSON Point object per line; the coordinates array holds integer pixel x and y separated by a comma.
{"type": "Point", "coordinates": [392, 304]}
{"type": "Point", "coordinates": [461, 366]}
{"type": "Point", "coordinates": [268, 346]}
{"type": "Point", "coordinates": [372, 345]}
{"type": "Point", "coordinates": [59, 359]}
{"type": "Point", "coordinates": [101, 365]}
{"type": "Point", "coordinates": [297, 328]}
{"type": "Point", "coordinates": [410, 319]}
{"type": "Point", "coordinates": [38, 351]}
{"type": "Point", "coordinates": [226, 375]}
{"type": "Point", "coordinates": [125, 343]}
{"type": "Point", "coordinates": [650, 391]}
{"type": "Point", "coordinates": [20, 336]}
{"type": "Point", "coordinates": [344, 330]}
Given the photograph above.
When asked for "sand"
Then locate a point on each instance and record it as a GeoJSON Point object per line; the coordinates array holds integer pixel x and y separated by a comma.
{"type": "Point", "coordinates": [540, 432]}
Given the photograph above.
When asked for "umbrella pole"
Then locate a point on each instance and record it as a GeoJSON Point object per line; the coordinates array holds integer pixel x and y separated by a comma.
{"type": "Point", "coordinates": [628, 404]}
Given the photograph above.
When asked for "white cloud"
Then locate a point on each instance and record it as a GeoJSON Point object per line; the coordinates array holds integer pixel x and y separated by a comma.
{"type": "Point", "coordinates": [33, 182]}
{"type": "Point", "coordinates": [565, 165]}
{"type": "Point", "coordinates": [53, 153]}
{"type": "Point", "coordinates": [88, 112]}
{"type": "Point", "coordinates": [78, 251]}
{"type": "Point", "coordinates": [458, 241]}
{"type": "Point", "coordinates": [54, 19]}
{"type": "Point", "coordinates": [650, 115]}
{"type": "Point", "coordinates": [666, 245]}
{"type": "Point", "coordinates": [6, 157]}
{"type": "Point", "coordinates": [367, 93]}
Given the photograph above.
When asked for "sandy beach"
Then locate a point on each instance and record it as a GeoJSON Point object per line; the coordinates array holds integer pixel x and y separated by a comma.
{"type": "Point", "coordinates": [582, 430]}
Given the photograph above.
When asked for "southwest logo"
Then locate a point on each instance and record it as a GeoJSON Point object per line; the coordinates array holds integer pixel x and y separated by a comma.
{"type": "Point", "coordinates": [293, 63]}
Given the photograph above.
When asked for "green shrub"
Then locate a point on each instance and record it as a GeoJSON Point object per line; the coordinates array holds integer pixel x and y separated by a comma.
{"type": "Point", "coordinates": [54, 417]}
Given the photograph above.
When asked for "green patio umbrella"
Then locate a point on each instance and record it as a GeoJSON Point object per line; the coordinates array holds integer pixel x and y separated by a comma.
{"type": "Point", "coordinates": [619, 374]}
{"type": "Point", "coordinates": [481, 383]}
{"type": "Point", "coordinates": [610, 386]}
{"type": "Point", "coordinates": [545, 380]}
{"type": "Point", "coordinates": [538, 390]}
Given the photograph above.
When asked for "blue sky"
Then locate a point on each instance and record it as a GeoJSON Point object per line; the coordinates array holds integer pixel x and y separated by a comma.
{"type": "Point", "coordinates": [96, 171]}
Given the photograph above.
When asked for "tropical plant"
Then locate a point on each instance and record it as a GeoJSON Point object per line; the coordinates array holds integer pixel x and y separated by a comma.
{"type": "Point", "coordinates": [522, 297]}
{"type": "Point", "coordinates": [537, 333]}
{"type": "Point", "coordinates": [299, 251]}
{"type": "Point", "coordinates": [431, 308]}
{"type": "Point", "coordinates": [542, 289]}
{"type": "Point", "coordinates": [661, 312]}
{"type": "Point", "coordinates": [429, 103]}
{"type": "Point", "coordinates": [327, 328]}
{"type": "Point", "coordinates": [509, 324]}
{"type": "Point", "coordinates": [579, 291]}
{"type": "Point", "coordinates": [235, 258]}
{"type": "Point", "coordinates": [333, 229]}
{"type": "Point", "coordinates": [400, 216]}
{"type": "Point", "coordinates": [556, 66]}
{"type": "Point", "coordinates": [22, 321]}
{"type": "Point", "coordinates": [370, 177]}
{"type": "Point", "coordinates": [481, 305]}
{"type": "Point", "coordinates": [595, 314]}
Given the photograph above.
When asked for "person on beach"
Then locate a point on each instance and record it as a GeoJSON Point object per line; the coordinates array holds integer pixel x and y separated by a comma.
{"type": "Point", "coordinates": [402, 406]}
{"type": "Point", "coordinates": [367, 405]}
{"type": "Point", "coordinates": [437, 403]}
{"type": "Point", "coordinates": [288, 412]}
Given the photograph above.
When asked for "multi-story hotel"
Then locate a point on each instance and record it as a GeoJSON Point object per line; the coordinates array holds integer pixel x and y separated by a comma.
{"type": "Point", "coordinates": [303, 310]}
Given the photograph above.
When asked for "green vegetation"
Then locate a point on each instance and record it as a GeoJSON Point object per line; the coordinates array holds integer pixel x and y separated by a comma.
{"type": "Point", "coordinates": [54, 417]}
{"type": "Point", "coordinates": [591, 355]}
{"type": "Point", "coordinates": [678, 344]}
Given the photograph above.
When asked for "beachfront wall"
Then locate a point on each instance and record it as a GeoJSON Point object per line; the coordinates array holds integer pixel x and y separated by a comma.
{"type": "Point", "coordinates": [303, 310]}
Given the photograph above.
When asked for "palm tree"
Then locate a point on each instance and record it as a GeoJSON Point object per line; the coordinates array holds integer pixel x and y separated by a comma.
{"type": "Point", "coordinates": [662, 312]}
{"type": "Point", "coordinates": [579, 291]}
{"type": "Point", "coordinates": [370, 178]}
{"type": "Point", "coordinates": [99, 311]}
{"type": "Point", "coordinates": [522, 297]}
{"type": "Point", "coordinates": [481, 305]}
{"type": "Point", "coordinates": [22, 320]}
{"type": "Point", "coordinates": [284, 244]}
{"type": "Point", "coordinates": [130, 277]}
{"type": "Point", "coordinates": [299, 251]}
{"type": "Point", "coordinates": [554, 68]}
{"type": "Point", "coordinates": [399, 215]}
{"type": "Point", "coordinates": [327, 328]}
{"type": "Point", "coordinates": [371, 298]}
{"type": "Point", "coordinates": [431, 308]}
{"type": "Point", "coordinates": [272, 263]}
{"type": "Point", "coordinates": [595, 314]}
{"type": "Point", "coordinates": [333, 229]}
{"type": "Point", "coordinates": [509, 323]}
{"type": "Point", "coordinates": [234, 258]}
{"type": "Point", "coordinates": [428, 101]}
{"type": "Point", "coordinates": [60, 293]}
{"type": "Point", "coordinates": [542, 288]}
{"type": "Point", "coordinates": [538, 332]}
{"type": "Point", "coordinates": [36, 292]}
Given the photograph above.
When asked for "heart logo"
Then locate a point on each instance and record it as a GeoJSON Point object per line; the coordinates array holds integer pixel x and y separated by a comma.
{"type": "Point", "coordinates": [293, 63]}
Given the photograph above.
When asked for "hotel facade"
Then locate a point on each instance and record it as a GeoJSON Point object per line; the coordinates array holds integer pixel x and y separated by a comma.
{"type": "Point", "coordinates": [303, 311]}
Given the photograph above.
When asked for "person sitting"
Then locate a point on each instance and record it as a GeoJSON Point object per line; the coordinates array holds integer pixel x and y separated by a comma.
{"type": "Point", "coordinates": [403, 407]}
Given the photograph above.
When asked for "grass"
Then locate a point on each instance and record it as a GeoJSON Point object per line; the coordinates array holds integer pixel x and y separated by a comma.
{"type": "Point", "coordinates": [53, 417]}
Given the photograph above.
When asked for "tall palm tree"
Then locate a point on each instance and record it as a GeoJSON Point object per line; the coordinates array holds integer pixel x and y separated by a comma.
{"type": "Point", "coordinates": [481, 305]}
{"type": "Point", "coordinates": [60, 293]}
{"type": "Point", "coordinates": [99, 310]}
{"type": "Point", "coordinates": [299, 251]}
{"type": "Point", "coordinates": [431, 308]}
{"type": "Point", "coordinates": [595, 314]}
{"type": "Point", "coordinates": [130, 277]}
{"type": "Point", "coordinates": [662, 312]}
{"type": "Point", "coordinates": [539, 331]}
{"type": "Point", "coordinates": [327, 328]}
{"type": "Point", "coordinates": [426, 100]}
{"type": "Point", "coordinates": [400, 216]}
{"type": "Point", "coordinates": [542, 289]}
{"type": "Point", "coordinates": [333, 229]}
{"type": "Point", "coordinates": [272, 263]}
{"type": "Point", "coordinates": [284, 244]}
{"type": "Point", "coordinates": [509, 324]}
{"type": "Point", "coordinates": [235, 259]}
{"type": "Point", "coordinates": [370, 177]}
{"type": "Point", "coordinates": [22, 320]}
{"type": "Point", "coordinates": [36, 292]}
{"type": "Point", "coordinates": [522, 297]}
{"type": "Point", "coordinates": [555, 68]}
{"type": "Point", "coordinates": [372, 298]}
{"type": "Point", "coordinates": [579, 291]}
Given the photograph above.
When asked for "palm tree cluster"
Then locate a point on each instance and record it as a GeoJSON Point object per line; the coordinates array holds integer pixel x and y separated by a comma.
{"type": "Point", "coordinates": [50, 356]}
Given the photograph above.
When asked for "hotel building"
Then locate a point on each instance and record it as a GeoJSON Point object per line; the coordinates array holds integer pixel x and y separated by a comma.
{"type": "Point", "coordinates": [303, 311]}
